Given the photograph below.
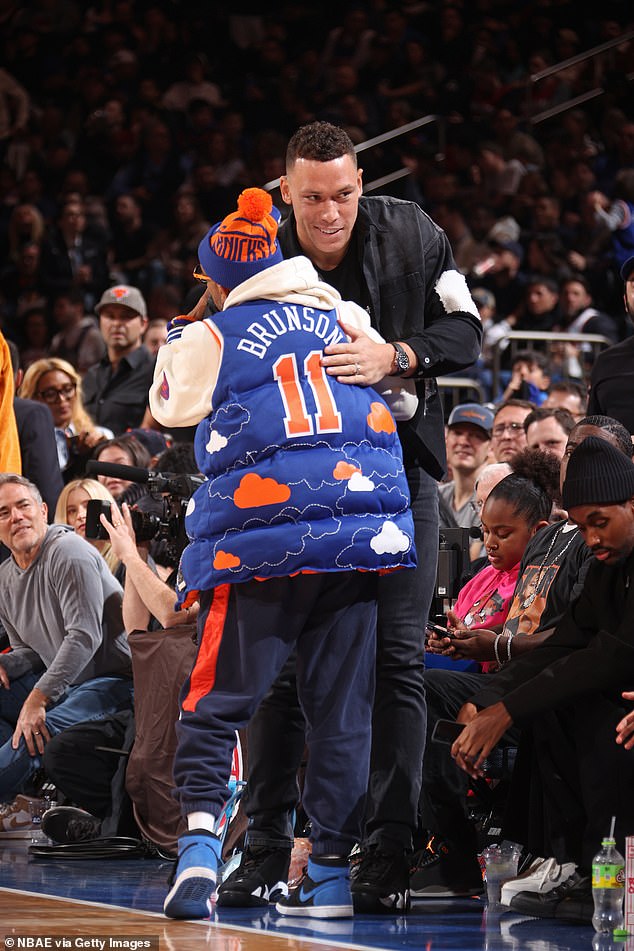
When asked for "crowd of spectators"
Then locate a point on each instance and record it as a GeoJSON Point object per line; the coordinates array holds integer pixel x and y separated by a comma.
{"type": "Point", "coordinates": [127, 127]}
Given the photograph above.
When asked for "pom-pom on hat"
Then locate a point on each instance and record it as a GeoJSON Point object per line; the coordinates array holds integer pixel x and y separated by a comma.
{"type": "Point", "coordinates": [244, 242]}
{"type": "Point", "coordinates": [598, 474]}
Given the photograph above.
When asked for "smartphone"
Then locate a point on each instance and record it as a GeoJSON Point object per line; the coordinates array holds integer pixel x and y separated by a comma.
{"type": "Point", "coordinates": [439, 629]}
{"type": "Point", "coordinates": [446, 731]}
{"type": "Point", "coordinates": [95, 508]}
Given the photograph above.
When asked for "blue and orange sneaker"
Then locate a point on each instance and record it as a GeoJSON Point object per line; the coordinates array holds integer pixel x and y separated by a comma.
{"type": "Point", "coordinates": [322, 892]}
{"type": "Point", "coordinates": [194, 878]}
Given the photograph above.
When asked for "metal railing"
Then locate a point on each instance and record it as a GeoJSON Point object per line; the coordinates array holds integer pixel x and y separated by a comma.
{"type": "Point", "coordinates": [592, 345]}
{"type": "Point", "coordinates": [459, 389]}
{"type": "Point", "coordinates": [388, 137]}
{"type": "Point", "coordinates": [533, 79]}
{"type": "Point", "coordinates": [587, 95]}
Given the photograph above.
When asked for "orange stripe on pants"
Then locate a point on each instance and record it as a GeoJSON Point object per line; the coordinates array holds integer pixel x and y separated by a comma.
{"type": "Point", "coordinates": [203, 675]}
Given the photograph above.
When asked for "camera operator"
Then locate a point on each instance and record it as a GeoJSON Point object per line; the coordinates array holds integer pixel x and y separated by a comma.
{"type": "Point", "coordinates": [88, 765]}
{"type": "Point", "coordinates": [143, 586]}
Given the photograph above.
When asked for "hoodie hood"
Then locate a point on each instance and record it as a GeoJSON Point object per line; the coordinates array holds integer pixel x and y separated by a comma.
{"type": "Point", "coordinates": [292, 282]}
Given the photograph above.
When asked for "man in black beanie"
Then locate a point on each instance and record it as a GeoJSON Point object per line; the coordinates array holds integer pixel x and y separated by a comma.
{"type": "Point", "coordinates": [567, 693]}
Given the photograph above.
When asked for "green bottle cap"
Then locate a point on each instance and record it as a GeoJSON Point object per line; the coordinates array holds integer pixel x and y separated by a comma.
{"type": "Point", "coordinates": [620, 932]}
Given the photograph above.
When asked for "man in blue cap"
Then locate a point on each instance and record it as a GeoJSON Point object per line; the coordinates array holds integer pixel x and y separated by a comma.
{"type": "Point", "coordinates": [468, 441]}
{"type": "Point", "coordinates": [612, 379]}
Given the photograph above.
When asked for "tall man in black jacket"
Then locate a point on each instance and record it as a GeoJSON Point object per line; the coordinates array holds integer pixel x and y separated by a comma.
{"type": "Point", "coordinates": [391, 258]}
{"type": "Point", "coordinates": [568, 691]}
{"type": "Point", "coordinates": [612, 378]}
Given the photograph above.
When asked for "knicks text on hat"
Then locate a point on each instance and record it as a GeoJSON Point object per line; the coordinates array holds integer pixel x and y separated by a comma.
{"type": "Point", "coordinates": [236, 246]}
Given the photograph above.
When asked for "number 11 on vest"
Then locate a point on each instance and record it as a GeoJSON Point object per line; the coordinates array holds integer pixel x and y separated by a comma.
{"type": "Point", "coordinates": [297, 421]}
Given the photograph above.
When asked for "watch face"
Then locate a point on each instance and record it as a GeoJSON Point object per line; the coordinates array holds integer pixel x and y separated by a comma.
{"type": "Point", "coordinates": [402, 361]}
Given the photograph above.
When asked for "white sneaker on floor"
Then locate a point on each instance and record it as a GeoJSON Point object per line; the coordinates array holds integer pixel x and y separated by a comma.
{"type": "Point", "coordinates": [541, 876]}
{"type": "Point", "coordinates": [16, 818]}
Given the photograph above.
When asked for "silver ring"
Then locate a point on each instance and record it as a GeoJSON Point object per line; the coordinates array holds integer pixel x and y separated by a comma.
{"type": "Point", "coordinates": [36, 733]}
{"type": "Point", "coordinates": [357, 369]}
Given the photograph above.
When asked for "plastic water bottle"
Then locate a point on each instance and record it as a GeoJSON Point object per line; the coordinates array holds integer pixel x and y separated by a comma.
{"type": "Point", "coordinates": [608, 886]}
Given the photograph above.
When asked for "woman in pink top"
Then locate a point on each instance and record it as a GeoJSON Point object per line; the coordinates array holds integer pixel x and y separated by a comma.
{"type": "Point", "coordinates": [515, 509]}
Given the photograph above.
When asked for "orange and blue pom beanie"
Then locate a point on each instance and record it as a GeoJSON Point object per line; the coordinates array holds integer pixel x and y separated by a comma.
{"type": "Point", "coordinates": [244, 242]}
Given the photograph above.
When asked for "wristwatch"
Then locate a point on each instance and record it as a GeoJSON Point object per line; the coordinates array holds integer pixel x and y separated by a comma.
{"type": "Point", "coordinates": [401, 361]}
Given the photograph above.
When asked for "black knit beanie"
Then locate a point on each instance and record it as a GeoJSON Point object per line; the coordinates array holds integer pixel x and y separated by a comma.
{"type": "Point", "coordinates": [598, 474]}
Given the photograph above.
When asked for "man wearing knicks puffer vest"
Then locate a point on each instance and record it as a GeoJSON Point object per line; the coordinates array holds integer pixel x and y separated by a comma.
{"type": "Point", "coordinates": [305, 503]}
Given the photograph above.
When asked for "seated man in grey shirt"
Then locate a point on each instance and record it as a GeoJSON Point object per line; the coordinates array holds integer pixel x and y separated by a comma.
{"type": "Point", "coordinates": [61, 608]}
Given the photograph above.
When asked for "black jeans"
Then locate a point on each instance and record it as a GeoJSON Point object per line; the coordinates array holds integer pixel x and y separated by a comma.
{"type": "Point", "coordinates": [443, 801]}
{"type": "Point", "coordinates": [572, 778]}
{"type": "Point", "coordinates": [276, 732]}
{"type": "Point", "coordinates": [94, 778]}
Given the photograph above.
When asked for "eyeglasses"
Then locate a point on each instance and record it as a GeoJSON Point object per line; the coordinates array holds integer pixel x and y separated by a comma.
{"type": "Point", "coordinates": [200, 276]}
{"type": "Point", "coordinates": [56, 395]}
{"type": "Point", "coordinates": [513, 428]}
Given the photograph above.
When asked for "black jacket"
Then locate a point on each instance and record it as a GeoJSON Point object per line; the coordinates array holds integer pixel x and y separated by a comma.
{"type": "Point", "coordinates": [612, 384]}
{"type": "Point", "coordinates": [38, 448]}
{"type": "Point", "coordinates": [591, 650]}
{"type": "Point", "coordinates": [119, 400]}
{"type": "Point", "coordinates": [403, 254]}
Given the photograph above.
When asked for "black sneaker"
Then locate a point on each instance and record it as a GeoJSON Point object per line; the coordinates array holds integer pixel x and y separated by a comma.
{"type": "Point", "coordinates": [439, 871]}
{"type": "Point", "coordinates": [379, 881]}
{"type": "Point", "coordinates": [65, 824]}
{"type": "Point", "coordinates": [570, 901]}
{"type": "Point", "coordinates": [260, 878]}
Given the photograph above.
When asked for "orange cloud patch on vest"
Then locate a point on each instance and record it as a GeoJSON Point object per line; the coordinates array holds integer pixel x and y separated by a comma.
{"type": "Point", "coordinates": [224, 559]}
{"type": "Point", "coordinates": [380, 419]}
{"type": "Point", "coordinates": [255, 491]}
{"type": "Point", "coordinates": [343, 470]}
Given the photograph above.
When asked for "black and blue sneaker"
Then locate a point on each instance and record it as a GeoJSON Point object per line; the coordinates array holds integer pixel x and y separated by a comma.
{"type": "Point", "coordinates": [379, 881]}
{"type": "Point", "coordinates": [194, 878]}
{"type": "Point", "coordinates": [260, 878]}
{"type": "Point", "coordinates": [322, 892]}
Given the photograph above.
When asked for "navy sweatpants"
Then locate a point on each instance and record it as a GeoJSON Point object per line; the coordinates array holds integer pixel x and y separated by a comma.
{"type": "Point", "coordinates": [246, 633]}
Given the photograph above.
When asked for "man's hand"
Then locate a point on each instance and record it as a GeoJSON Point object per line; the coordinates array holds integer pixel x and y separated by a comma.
{"type": "Point", "coordinates": [121, 532]}
{"type": "Point", "coordinates": [4, 678]}
{"type": "Point", "coordinates": [467, 713]}
{"type": "Point", "coordinates": [625, 728]}
{"type": "Point", "coordinates": [479, 737]}
{"type": "Point", "coordinates": [32, 723]}
{"type": "Point", "coordinates": [361, 360]}
{"type": "Point", "coordinates": [88, 440]}
{"type": "Point", "coordinates": [198, 310]}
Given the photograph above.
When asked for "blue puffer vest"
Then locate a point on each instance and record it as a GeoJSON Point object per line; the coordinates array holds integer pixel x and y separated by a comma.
{"type": "Point", "coordinates": [304, 473]}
